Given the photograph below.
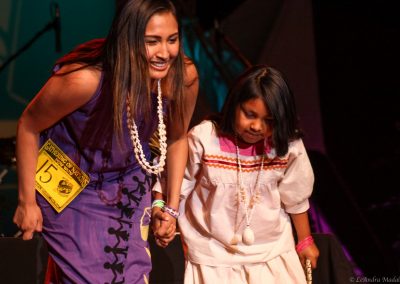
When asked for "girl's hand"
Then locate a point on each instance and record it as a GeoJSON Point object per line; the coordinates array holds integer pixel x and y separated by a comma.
{"type": "Point", "coordinates": [310, 252]}
{"type": "Point", "coordinates": [164, 227]}
{"type": "Point", "coordinates": [28, 217]}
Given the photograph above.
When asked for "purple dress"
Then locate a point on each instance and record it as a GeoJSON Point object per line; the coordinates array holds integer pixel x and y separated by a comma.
{"type": "Point", "coordinates": [101, 236]}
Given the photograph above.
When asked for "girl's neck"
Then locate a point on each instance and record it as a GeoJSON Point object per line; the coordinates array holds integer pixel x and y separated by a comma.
{"type": "Point", "coordinates": [227, 144]}
{"type": "Point", "coordinates": [258, 146]}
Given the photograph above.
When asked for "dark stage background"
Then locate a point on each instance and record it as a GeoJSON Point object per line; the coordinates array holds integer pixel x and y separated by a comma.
{"type": "Point", "coordinates": [358, 47]}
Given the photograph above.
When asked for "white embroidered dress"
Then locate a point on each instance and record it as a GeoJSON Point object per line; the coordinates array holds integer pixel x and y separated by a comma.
{"type": "Point", "coordinates": [210, 216]}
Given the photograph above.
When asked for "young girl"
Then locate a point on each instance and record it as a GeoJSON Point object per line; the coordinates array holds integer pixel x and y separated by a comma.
{"type": "Point", "coordinates": [248, 176]}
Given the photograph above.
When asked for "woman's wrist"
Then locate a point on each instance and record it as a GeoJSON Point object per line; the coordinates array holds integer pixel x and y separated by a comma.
{"type": "Point", "coordinates": [173, 202]}
{"type": "Point", "coordinates": [171, 211]}
{"type": "Point", "coordinates": [159, 203]}
{"type": "Point", "coordinates": [26, 201]}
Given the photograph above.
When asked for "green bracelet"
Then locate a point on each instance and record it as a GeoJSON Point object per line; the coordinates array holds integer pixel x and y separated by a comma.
{"type": "Point", "coordinates": [158, 203]}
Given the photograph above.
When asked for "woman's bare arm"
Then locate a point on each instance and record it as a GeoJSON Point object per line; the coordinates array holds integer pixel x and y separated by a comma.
{"type": "Point", "coordinates": [60, 96]}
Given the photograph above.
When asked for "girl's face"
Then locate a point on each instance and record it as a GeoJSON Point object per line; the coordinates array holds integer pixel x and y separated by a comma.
{"type": "Point", "coordinates": [162, 43]}
{"type": "Point", "coordinates": [253, 121]}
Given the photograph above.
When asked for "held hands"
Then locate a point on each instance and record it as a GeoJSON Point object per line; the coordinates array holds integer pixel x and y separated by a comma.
{"type": "Point", "coordinates": [164, 226]}
{"type": "Point", "coordinates": [306, 249]}
{"type": "Point", "coordinates": [28, 218]}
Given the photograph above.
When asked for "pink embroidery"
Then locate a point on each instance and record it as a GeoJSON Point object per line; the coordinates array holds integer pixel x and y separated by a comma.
{"type": "Point", "coordinates": [227, 145]}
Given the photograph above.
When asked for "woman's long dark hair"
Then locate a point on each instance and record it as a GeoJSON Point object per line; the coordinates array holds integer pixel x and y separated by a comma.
{"type": "Point", "coordinates": [123, 61]}
{"type": "Point", "coordinates": [268, 84]}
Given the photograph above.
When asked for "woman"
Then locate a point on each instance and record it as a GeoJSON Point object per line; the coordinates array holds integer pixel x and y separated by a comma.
{"type": "Point", "coordinates": [100, 107]}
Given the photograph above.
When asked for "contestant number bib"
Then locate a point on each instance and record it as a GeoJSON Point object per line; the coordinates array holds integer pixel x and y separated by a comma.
{"type": "Point", "coordinates": [58, 178]}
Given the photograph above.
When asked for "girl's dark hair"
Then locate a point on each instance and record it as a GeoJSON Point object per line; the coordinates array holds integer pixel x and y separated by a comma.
{"type": "Point", "coordinates": [122, 58]}
{"type": "Point", "coordinates": [268, 84]}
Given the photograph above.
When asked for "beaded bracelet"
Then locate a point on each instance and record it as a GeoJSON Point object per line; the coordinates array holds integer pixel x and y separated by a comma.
{"type": "Point", "coordinates": [304, 243]}
{"type": "Point", "coordinates": [170, 211]}
{"type": "Point", "coordinates": [158, 203]}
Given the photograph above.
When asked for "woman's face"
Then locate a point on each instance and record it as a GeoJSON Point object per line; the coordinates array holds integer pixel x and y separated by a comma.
{"type": "Point", "coordinates": [162, 43]}
{"type": "Point", "coordinates": [253, 121]}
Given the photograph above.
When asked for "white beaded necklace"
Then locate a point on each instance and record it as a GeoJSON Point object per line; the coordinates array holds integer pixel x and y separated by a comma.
{"type": "Point", "coordinates": [248, 204]}
{"type": "Point", "coordinates": [137, 146]}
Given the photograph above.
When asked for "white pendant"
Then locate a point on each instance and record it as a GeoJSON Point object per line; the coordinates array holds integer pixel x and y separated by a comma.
{"type": "Point", "coordinates": [248, 236]}
{"type": "Point", "coordinates": [236, 239]}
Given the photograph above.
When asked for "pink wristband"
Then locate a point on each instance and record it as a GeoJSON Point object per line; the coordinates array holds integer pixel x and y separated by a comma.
{"type": "Point", "coordinates": [306, 242]}
{"type": "Point", "coordinates": [170, 211]}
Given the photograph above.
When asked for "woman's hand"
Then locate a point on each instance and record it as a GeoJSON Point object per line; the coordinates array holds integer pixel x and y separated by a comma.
{"type": "Point", "coordinates": [28, 217]}
{"type": "Point", "coordinates": [164, 227]}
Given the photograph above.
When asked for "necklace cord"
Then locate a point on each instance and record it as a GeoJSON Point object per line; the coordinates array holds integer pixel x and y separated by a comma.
{"type": "Point", "coordinates": [248, 204]}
